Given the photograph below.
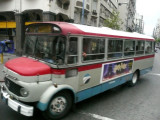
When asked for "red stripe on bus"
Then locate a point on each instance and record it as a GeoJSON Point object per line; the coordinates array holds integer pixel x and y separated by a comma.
{"type": "Point", "coordinates": [94, 66]}
{"type": "Point", "coordinates": [59, 71]}
{"type": "Point", "coordinates": [81, 68]}
{"type": "Point", "coordinates": [89, 67]}
{"type": "Point", "coordinates": [143, 57]}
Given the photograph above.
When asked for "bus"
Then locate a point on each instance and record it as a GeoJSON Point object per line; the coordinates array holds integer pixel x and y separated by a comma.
{"type": "Point", "coordinates": [65, 63]}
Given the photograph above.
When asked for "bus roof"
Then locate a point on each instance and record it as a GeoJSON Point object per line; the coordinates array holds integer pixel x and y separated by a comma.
{"type": "Point", "coordinates": [71, 28]}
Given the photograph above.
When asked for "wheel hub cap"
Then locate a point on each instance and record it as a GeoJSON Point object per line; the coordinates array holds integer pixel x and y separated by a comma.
{"type": "Point", "coordinates": [58, 105]}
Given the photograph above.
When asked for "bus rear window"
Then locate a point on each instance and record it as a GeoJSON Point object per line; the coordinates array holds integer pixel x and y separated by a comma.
{"type": "Point", "coordinates": [43, 28]}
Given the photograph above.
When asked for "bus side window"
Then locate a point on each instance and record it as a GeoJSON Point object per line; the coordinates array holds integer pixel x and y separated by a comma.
{"type": "Point", "coordinates": [153, 47]}
{"type": "Point", "coordinates": [129, 48]}
{"type": "Point", "coordinates": [140, 48]}
{"type": "Point", "coordinates": [72, 55]}
{"type": "Point", "coordinates": [93, 49]}
{"type": "Point", "coordinates": [115, 47]}
{"type": "Point", "coordinates": [148, 47]}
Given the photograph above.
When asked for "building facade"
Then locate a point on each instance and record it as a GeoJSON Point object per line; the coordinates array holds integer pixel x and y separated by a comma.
{"type": "Point", "coordinates": [88, 12]}
{"type": "Point", "coordinates": [156, 32]}
{"type": "Point", "coordinates": [139, 23]}
{"type": "Point", "coordinates": [131, 15]}
{"type": "Point", "coordinates": [127, 10]}
{"type": "Point", "coordinates": [123, 12]}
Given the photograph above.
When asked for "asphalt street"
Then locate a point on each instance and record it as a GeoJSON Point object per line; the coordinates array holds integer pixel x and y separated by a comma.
{"type": "Point", "coordinates": [141, 102]}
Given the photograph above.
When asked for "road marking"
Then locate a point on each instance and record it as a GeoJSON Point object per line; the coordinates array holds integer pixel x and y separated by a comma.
{"type": "Point", "coordinates": [154, 74]}
{"type": "Point", "coordinates": [99, 117]}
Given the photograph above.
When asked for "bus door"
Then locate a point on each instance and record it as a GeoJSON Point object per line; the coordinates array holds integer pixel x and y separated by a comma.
{"type": "Point", "coordinates": [72, 75]}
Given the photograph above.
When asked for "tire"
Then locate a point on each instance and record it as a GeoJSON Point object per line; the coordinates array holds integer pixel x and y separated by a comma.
{"type": "Point", "coordinates": [59, 106]}
{"type": "Point", "coordinates": [134, 80]}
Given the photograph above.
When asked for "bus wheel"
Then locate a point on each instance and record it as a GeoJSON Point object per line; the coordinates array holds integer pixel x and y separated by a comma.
{"type": "Point", "coordinates": [59, 106]}
{"type": "Point", "coordinates": [134, 80]}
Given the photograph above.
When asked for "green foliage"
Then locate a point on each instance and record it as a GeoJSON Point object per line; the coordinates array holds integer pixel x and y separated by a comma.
{"type": "Point", "coordinates": [157, 40]}
{"type": "Point", "coordinates": [113, 21]}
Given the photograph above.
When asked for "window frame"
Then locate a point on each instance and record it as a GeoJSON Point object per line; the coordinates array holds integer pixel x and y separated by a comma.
{"type": "Point", "coordinates": [92, 54]}
{"type": "Point", "coordinates": [130, 51]}
{"type": "Point", "coordinates": [140, 50]}
{"type": "Point", "coordinates": [151, 46]}
{"type": "Point", "coordinates": [80, 42]}
{"type": "Point", "coordinates": [68, 51]}
{"type": "Point", "coordinates": [117, 52]}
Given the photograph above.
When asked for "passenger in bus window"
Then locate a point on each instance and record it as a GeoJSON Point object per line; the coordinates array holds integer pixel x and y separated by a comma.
{"type": "Point", "coordinates": [85, 48]}
{"type": "Point", "coordinates": [84, 54]}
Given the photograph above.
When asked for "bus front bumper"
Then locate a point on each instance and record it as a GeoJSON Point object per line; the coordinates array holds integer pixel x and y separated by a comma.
{"type": "Point", "coordinates": [16, 105]}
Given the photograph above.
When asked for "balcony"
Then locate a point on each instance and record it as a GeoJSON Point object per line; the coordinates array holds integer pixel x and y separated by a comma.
{"type": "Point", "coordinates": [94, 13]}
{"type": "Point", "coordinates": [79, 4]}
{"type": "Point", "coordinates": [64, 4]}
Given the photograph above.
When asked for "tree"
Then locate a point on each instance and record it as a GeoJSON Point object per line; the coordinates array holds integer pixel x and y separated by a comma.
{"type": "Point", "coordinates": [113, 21]}
{"type": "Point", "coordinates": [157, 40]}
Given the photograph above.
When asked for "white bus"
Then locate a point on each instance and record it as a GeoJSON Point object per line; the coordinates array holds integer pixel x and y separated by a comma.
{"type": "Point", "coordinates": [65, 63]}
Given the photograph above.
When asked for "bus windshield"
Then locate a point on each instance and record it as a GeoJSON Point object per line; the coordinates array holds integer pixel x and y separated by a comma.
{"type": "Point", "coordinates": [47, 48]}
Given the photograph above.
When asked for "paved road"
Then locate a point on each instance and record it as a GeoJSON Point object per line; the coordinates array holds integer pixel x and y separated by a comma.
{"type": "Point", "coordinates": [141, 102]}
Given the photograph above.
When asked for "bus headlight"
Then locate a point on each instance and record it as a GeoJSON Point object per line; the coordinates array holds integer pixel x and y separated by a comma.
{"type": "Point", "coordinates": [24, 92]}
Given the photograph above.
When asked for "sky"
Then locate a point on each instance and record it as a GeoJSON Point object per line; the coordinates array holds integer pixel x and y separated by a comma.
{"type": "Point", "coordinates": [150, 9]}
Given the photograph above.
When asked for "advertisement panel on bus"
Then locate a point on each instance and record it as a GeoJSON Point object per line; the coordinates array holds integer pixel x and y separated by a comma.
{"type": "Point", "coordinates": [114, 70]}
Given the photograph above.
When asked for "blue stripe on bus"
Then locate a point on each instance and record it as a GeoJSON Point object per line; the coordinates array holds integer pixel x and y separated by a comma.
{"type": "Point", "coordinates": [144, 71]}
{"type": "Point", "coordinates": [42, 106]}
{"type": "Point", "coordinates": [82, 95]}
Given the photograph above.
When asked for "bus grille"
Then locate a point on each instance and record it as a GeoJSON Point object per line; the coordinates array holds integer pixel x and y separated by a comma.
{"type": "Point", "coordinates": [12, 87]}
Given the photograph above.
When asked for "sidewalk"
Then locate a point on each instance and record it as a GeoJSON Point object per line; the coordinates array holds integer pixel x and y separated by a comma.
{"type": "Point", "coordinates": [6, 57]}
